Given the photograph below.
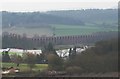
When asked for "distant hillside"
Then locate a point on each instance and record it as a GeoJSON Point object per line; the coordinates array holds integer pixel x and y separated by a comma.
{"type": "Point", "coordinates": [65, 17]}
{"type": "Point", "coordinates": [36, 19]}
{"type": "Point", "coordinates": [89, 15]}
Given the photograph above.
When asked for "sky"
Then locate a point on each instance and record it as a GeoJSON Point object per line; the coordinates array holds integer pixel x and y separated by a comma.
{"type": "Point", "coordinates": [47, 5]}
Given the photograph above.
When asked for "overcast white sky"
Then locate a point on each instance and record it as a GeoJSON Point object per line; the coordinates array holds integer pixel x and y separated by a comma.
{"type": "Point", "coordinates": [45, 5]}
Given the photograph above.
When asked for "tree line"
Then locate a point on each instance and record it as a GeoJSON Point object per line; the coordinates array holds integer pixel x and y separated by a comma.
{"type": "Point", "coordinates": [18, 41]}
{"type": "Point", "coordinates": [69, 17]}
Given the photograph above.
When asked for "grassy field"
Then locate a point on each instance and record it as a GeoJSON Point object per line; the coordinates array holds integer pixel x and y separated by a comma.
{"type": "Point", "coordinates": [25, 67]}
{"type": "Point", "coordinates": [61, 30]}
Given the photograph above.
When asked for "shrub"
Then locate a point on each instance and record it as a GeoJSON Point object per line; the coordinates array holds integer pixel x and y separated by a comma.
{"type": "Point", "coordinates": [74, 70]}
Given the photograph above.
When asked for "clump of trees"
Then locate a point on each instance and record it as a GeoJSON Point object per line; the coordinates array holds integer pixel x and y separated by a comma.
{"type": "Point", "coordinates": [30, 59]}
{"type": "Point", "coordinates": [55, 62]}
{"type": "Point", "coordinates": [49, 49]}
{"type": "Point", "coordinates": [101, 58]}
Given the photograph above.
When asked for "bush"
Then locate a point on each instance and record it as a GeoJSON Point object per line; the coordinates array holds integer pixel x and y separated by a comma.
{"type": "Point", "coordinates": [43, 73]}
{"type": "Point", "coordinates": [74, 70]}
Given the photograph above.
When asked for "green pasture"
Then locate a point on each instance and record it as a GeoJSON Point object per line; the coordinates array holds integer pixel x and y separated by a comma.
{"type": "Point", "coordinates": [61, 30]}
{"type": "Point", "coordinates": [25, 67]}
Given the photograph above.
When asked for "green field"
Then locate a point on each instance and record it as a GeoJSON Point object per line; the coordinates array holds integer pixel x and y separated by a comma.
{"type": "Point", "coordinates": [25, 67]}
{"type": "Point", "coordinates": [61, 30]}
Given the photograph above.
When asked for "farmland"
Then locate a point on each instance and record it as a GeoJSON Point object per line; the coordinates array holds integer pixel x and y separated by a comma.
{"type": "Point", "coordinates": [24, 69]}
{"type": "Point", "coordinates": [30, 32]}
{"type": "Point", "coordinates": [60, 23]}
{"type": "Point", "coordinates": [60, 30]}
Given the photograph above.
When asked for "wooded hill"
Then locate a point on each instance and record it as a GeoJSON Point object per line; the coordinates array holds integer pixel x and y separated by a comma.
{"type": "Point", "coordinates": [66, 17]}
